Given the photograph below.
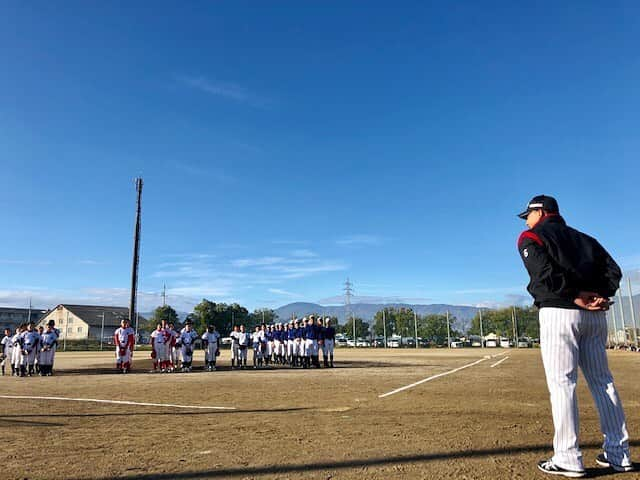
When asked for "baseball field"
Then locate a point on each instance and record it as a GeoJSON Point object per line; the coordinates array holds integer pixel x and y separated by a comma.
{"type": "Point", "coordinates": [479, 414]}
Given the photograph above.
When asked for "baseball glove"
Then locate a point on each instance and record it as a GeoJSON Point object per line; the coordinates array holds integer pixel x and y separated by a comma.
{"type": "Point", "coordinates": [2, 357]}
{"type": "Point", "coordinates": [217, 353]}
{"type": "Point", "coordinates": [153, 354]}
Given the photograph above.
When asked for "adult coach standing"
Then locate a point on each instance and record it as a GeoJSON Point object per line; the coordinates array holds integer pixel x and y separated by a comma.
{"type": "Point", "coordinates": [572, 279]}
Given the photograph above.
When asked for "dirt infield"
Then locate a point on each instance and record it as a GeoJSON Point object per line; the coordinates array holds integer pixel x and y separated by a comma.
{"type": "Point", "coordinates": [477, 422]}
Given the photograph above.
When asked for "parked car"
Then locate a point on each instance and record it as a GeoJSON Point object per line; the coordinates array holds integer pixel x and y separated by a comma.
{"type": "Point", "coordinates": [341, 342]}
{"type": "Point", "coordinates": [361, 342]}
{"type": "Point", "coordinates": [394, 341]}
{"type": "Point", "coordinates": [351, 343]}
{"type": "Point", "coordinates": [457, 344]}
{"type": "Point", "coordinates": [492, 343]}
{"type": "Point", "coordinates": [523, 343]}
{"type": "Point", "coordinates": [377, 342]}
{"type": "Point", "coordinates": [506, 343]}
{"type": "Point", "coordinates": [226, 341]}
{"type": "Point", "coordinates": [409, 342]}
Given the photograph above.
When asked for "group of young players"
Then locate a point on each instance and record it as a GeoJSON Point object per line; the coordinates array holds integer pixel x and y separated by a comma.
{"type": "Point", "coordinates": [29, 350]}
{"type": "Point", "coordinates": [296, 344]}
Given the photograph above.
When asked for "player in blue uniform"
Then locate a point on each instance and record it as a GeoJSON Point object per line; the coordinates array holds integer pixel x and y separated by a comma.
{"type": "Point", "coordinates": [329, 342]}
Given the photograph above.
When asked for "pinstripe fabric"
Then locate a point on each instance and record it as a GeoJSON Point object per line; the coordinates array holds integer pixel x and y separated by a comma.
{"type": "Point", "coordinates": [570, 339]}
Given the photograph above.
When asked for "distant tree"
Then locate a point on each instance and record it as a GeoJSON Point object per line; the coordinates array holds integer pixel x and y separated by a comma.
{"type": "Point", "coordinates": [362, 328]}
{"type": "Point", "coordinates": [262, 315]}
{"type": "Point", "coordinates": [222, 315]}
{"type": "Point", "coordinates": [434, 327]}
{"type": "Point", "coordinates": [159, 314]}
{"type": "Point", "coordinates": [500, 322]}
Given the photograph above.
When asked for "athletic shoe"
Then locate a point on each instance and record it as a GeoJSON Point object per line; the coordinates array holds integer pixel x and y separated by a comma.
{"type": "Point", "coordinates": [547, 466]}
{"type": "Point", "coordinates": [601, 460]}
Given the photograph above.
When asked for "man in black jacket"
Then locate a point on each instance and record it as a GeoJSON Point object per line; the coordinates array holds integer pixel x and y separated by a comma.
{"type": "Point", "coordinates": [572, 279]}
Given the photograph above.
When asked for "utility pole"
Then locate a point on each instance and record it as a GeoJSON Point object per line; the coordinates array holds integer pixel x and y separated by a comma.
{"type": "Point", "coordinates": [136, 253]}
{"type": "Point", "coordinates": [624, 324]}
{"type": "Point", "coordinates": [29, 318]}
{"type": "Point", "coordinates": [348, 291]}
{"type": "Point", "coordinates": [515, 325]}
{"type": "Point", "coordinates": [102, 331]}
{"type": "Point", "coordinates": [415, 326]}
{"type": "Point", "coordinates": [164, 294]}
{"type": "Point", "coordinates": [612, 311]}
{"type": "Point", "coordinates": [481, 332]}
{"type": "Point", "coordinates": [633, 313]}
{"type": "Point", "coordinates": [66, 330]}
{"type": "Point", "coordinates": [384, 326]}
{"type": "Point", "coordinates": [448, 331]}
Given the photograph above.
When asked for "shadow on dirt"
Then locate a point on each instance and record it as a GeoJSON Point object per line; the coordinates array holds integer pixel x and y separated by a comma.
{"type": "Point", "coordinates": [105, 370]}
{"type": "Point", "coordinates": [368, 462]}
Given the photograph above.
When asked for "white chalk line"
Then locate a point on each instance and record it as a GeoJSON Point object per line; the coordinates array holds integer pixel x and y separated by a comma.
{"type": "Point", "coordinates": [499, 362]}
{"type": "Point", "coordinates": [433, 377]}
{"type": "Point", "coordinates": [116, 402]}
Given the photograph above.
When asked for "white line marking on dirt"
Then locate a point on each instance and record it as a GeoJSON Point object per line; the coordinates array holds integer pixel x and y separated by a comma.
{"type": "Point", "coordinates": [499, 362]}
{"type": "Point", "coordinates": [433, 377]}
{"type": "Point", "coordinates": [117, 402]}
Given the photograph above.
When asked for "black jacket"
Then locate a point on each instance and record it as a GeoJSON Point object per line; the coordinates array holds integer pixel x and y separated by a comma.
{"type": "Point", "coordinates": [562, 261]}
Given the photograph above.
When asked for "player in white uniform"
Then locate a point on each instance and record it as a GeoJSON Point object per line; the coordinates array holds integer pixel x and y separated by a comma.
{"type": "Point", "coordinates": [6, 346]}
{"type": "Point", "coordinates": [174, 349]}
{"type": "Point", "coordinates": [49, 341]}
{"type": "Point", "coordinates": [159, 343]}
{"type": "Point", "coordinates": [257, 347]}
{"type": "Point", "coordinates": [30, 345]}
{"type": "Point", "coordinates": [16, 352]}
{"type": "Point", "coordinates": [211, 345]}
{"type": "Point", "coordinates": [235, 348]}
{"type": "Point", "coordinates": [243, 346]}
{"type": "Point", "coordinates": [124, 339]}
{"type": "Point", "coordinates": [188, 336]}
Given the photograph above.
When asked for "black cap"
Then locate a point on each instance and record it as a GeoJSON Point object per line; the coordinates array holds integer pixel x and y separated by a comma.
{"type": "Point", "coordinates": [544, 202]}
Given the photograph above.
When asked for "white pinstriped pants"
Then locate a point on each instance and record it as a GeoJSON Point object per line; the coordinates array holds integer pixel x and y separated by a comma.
{"type": "Point", "coordinates": [568, 339]}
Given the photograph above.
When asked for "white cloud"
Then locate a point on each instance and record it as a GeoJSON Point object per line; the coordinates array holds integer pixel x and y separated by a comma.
{"type": "Point", "coordinates": [359, 240]}
{"type": "Point", "coordinates": [304, 253]}
{"type": "Point", "coordinates": [230, 91]}
{"type": "Point", "coordinates": [256, 262]}
{"type": "Point", "coordinates": [284, 293]}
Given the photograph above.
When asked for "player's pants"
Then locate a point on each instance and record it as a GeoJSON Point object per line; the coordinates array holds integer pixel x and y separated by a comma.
{"type": "Point", "coordinates": [310, 347]}
{"type": "Point", "coordinates": [46, 356]}
{"type": "Point", "coordinates": [187, 353]}
{"type": "Point", "coordinates": [210, 352]}
{"type": "Point", "coordinates": [257, 352]}
{"type": "Point", "coordinates": [278, 347]}
{"type": "Point", "coordinates": [29, 358]}
{"type": "Point", "coordinates": [174, 355]}
{"type": "Point", "coordinates": [570, 339]}
{"type": "Point", "coordinates": [290, 348]}
{"type": "Point", "coordinates": [270, 348]}
{"type": "Point", "coordinates": [243, 353]}
{"type": "Point", "coordinates": [327, 348]}
{"type": "Point", "coordinates": [235, 351]}
{"type": "Point", "coordinates": [16, 356]}
{"type": "Point", "coordinates": [298, 347]}
{"type": "Point", "coordinates": [162, 352]}
{"type": "Point", "coordinates": [123, 355]}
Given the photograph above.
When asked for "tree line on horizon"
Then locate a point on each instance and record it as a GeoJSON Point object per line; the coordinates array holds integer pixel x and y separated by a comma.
{"type": "Point", "coordinates": [397, 321]}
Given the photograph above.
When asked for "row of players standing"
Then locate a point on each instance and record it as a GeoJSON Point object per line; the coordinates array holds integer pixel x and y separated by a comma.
{"type": "Point", "coordinates": [169, 347]}
{"type": "Point", "coordinates": [29, 350]}
{"type": "Point", "coordinates": [297, 344]}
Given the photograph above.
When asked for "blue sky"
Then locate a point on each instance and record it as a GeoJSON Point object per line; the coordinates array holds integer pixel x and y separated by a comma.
{"type": "Point", "coordinates": [286, 146]}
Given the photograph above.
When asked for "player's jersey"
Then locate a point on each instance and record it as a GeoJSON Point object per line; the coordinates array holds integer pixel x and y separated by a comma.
{"type": "Point", "coordinates": [173, 337]}
{"type": "Point", "coordinates": [290, 334]}
{"type": "Point", "coordinates": [49, 339]}
{"type": "Point", "coordinates": [234, 338]}
{"type": "Point", "coordinates": [160, 337]}
{"type": "Point", "coordinates": [297, 332]}
{"type": "Point", "coordinates": [7, 346]}
{"type": "Point", "coordinates": [188, 337]}
{"type": "Point", "coordinates": [211, 337]}
{"type": "Point", "coordinates": [30, 340]}
{"type": "Point", "coordinates": [243, 338]}
{"type": "Point", "coordinates": [17, 341]}
{"type": "Point", "coordinates": [321, 332]}
{"type": "Point", "coordinates": [310, 332]}
{"type": "Point", "coordinates": [125, 337]}
{"type": "Point", "coordinates": [255, 338]}
{"type": "Point", "coordinates": [330, 333]}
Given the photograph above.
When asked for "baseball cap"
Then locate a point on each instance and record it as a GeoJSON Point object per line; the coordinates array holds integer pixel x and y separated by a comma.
{"type": "Point", "coordinates": [544, 202]}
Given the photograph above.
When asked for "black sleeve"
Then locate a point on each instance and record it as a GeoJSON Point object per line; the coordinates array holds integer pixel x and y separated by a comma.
{"type": "Point", "coordinates": [543, 279]}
